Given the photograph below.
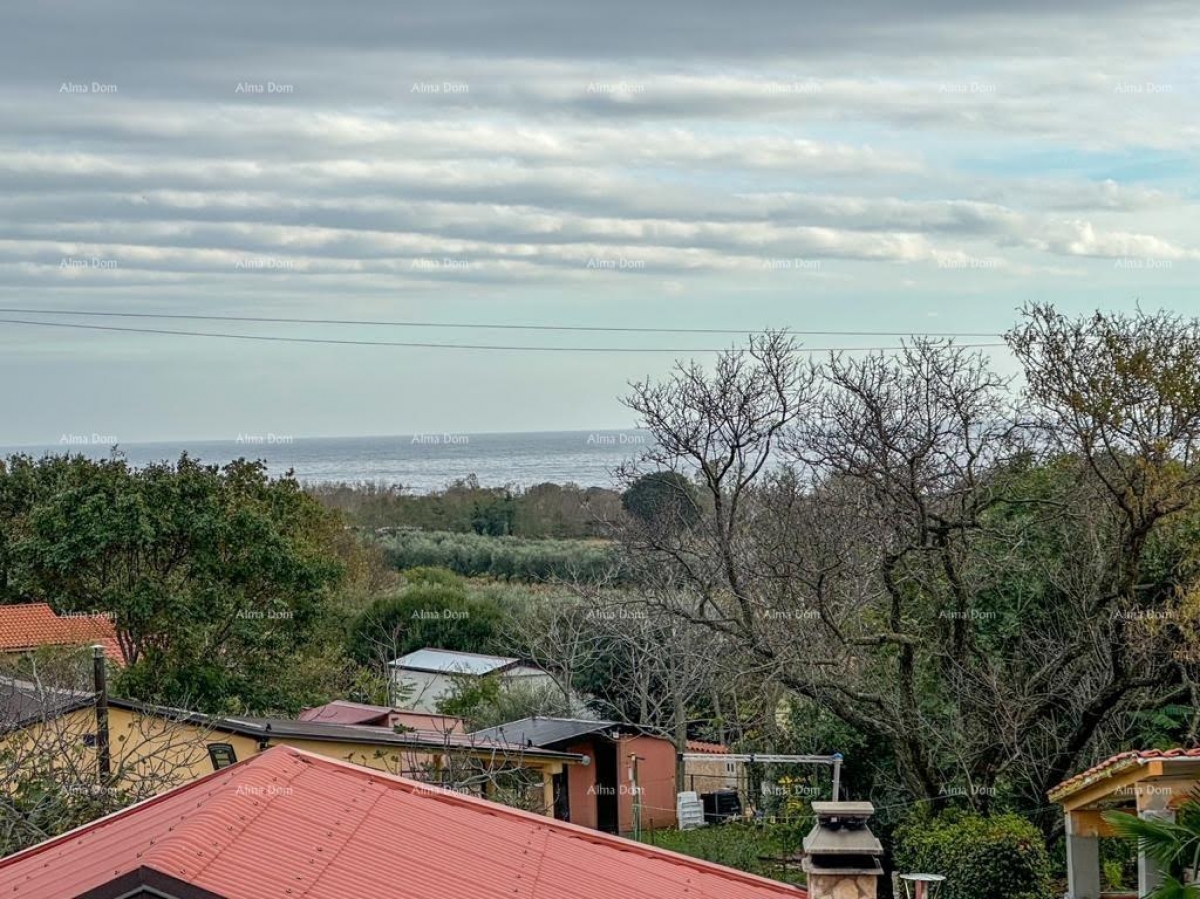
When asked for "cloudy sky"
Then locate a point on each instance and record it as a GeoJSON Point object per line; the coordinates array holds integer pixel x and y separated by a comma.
{"type": "Point", "coordinates": [831, 167]}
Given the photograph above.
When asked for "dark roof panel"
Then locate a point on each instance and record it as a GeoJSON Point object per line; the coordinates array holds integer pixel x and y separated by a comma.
{"type": "Point", "coordinates": [544, 732]}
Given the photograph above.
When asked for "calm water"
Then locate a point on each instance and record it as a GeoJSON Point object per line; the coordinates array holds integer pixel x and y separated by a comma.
{"type": "Point", "coordinates": [421, 462]}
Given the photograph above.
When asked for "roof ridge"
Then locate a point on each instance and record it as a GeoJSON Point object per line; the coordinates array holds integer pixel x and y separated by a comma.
{"type": "Point", "coordinates": [462, 652]}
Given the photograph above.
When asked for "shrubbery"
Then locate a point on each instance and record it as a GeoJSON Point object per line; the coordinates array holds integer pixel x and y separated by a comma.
{"type": "Point", "coordinates": [543, 510]}
{"type": "Point", "coordinates": [505, 558]}
{"type": "Point", "coordinates": [998, 857]}
{"type": "Point", "coordinates": [429, 612]}
{"type": "Point", "coordinates": [737, 845]}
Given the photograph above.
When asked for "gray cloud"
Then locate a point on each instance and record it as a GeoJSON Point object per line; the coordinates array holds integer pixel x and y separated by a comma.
{"type": "Point", "coordinates": [554, 162]}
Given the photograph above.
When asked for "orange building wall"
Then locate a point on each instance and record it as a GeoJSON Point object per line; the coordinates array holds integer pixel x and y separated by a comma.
{"type": "Point", "coordinates": [656, 776]}
{"type": "Point", "coordinates": [656, 772]}
{"type": "Point", "coordinates": [580, 781]}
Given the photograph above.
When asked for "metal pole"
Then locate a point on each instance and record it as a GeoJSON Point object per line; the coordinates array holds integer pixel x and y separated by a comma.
{"type": "Point", "coordinates": [637, 800]}
{"type": "Point", "coordinates": [100, 679]}
{"type": "Point", "coordinates": [837, 775]}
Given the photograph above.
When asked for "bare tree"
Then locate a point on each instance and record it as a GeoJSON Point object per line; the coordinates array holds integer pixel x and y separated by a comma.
{"type": "Point", "coordinates": [941, 566]}
{"type": "Point", "coordinates": [50, 766]}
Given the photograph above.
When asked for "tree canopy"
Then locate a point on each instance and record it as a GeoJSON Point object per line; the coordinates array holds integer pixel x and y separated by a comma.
{"type": "Point", "coordinates": [216, 579]}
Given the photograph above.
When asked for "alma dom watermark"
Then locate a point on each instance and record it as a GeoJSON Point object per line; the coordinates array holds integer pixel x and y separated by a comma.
{"type": "Point", "coordinates": [444, 439]}
{"type": "Point", "coordinates": [87, 87]}
{"type": "Point", "coordinates": [92, 439]}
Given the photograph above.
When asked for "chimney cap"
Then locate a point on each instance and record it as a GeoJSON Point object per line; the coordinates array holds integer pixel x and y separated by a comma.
{"type": "Point", "coordinates": [843, 809]}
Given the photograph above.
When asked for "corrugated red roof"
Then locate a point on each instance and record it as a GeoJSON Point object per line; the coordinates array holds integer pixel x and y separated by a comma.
{"type": "Point", "coordinates": [33, 625]}
{"type": "Point", "coordinates": [1119, 762]}
{"type": "Point", "coordinates": [342, 712]}
{"type": "Point", "coordinates": [290, 823]}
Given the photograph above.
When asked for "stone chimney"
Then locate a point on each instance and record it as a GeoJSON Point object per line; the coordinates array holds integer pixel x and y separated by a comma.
{"type": "Point", "coordinates": [841, 855]}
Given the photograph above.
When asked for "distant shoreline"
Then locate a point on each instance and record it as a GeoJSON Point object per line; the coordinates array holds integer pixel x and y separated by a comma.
{"type": "Point", "coordinates": [421, 463]}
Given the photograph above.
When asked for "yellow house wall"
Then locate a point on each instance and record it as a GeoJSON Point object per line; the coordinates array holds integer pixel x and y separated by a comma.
{"type": "Point", "coordinates": [153, 753]}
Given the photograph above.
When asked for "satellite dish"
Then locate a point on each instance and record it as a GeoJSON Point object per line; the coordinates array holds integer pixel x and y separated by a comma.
{"type": "Point", "coordinates": [921, 886]}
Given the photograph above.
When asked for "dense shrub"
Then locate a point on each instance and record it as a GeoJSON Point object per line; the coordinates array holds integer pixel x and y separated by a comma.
{"type": "Point", "coordinates": [664, 499]}
{"type": "Point", "coordinates": [505, 558]}
{"type": "Point", "coordinates": [997, 857]}
{"type": "Point", "coordinates": [425, 614]}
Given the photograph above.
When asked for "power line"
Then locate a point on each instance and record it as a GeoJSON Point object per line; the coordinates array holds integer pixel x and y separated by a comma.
{"type": "Point", "coordinates": [482, 326]}
{"type": "Point", "coordinates": [436, 346]}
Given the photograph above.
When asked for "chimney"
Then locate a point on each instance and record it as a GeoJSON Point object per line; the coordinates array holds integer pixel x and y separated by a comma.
{"type": "Point", "coordinates": [841, 855]}
{"type": "Point", "coordinates": [100, 682]}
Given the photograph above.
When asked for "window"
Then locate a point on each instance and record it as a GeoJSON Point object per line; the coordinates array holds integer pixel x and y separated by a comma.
{"type": "Point", "coordinates": [222, 755]}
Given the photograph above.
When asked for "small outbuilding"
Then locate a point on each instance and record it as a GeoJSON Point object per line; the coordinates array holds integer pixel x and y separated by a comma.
{"type": "Point", "coordinates": [629, 784]}
{"type": "Point", "coordinates": [1150, 784]}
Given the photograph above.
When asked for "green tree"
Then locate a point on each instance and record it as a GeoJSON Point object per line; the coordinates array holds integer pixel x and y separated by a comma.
{"type": "Point", "coordinates": [217, 579]}
{"type": "Point", "coordinates": [662, 499]}
{"type": "Point", "coordinates": [954, 569]}
{"type": "Point", "coordinates": [424, 614]}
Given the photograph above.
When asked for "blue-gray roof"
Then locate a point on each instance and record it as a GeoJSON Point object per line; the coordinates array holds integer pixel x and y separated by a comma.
{"type": "Point", "coordinates": [443, 661]}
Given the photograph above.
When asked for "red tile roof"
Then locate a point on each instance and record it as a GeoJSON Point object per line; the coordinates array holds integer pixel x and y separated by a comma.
{"type": "Point", "coordinates": [290, 823]}
{"type": "Point", "coordinates": [1118, 763]}
{"type": "Point", "coordinates": [32, 625]}
{"type": "Point", "coordinates": [711, 748]}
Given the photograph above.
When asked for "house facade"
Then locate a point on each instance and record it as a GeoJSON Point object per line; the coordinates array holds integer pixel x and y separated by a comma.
{"type": "Point", "coordinates": [153, 748]}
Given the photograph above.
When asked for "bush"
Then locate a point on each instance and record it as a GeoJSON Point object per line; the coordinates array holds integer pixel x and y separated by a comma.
{"type": "Point", "coordinates": [438, 577]}
{"type": "Point", "coordinates": [664, 499]}
{"type": "Point", "coordinates": [998, 857]}
{"type": "Point", "coordinates": [737, 845]}
{"type": "Point", "coordinates": [426, 613]}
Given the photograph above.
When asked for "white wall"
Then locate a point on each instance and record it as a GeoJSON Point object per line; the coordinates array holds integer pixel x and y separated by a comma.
{"type": "Point", "coordinates": [426, 689]}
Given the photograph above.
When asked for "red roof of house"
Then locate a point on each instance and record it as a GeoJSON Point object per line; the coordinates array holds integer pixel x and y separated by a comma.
{"type": "Point", "coordinates": [290, 823]}
{"type": "Point", "coordinates": [711, 748]}
{"type": "Point", "coordinates": [32, 625]}
{"type": "Point", "coordinates": [1119, 762]}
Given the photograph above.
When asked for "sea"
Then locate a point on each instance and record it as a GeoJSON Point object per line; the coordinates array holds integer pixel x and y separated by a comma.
{"type": "Point", "coordinates": [420, 463]}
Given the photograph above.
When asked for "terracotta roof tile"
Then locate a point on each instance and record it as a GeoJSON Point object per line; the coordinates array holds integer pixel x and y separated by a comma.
{"type": "Point", "coordinates": [290, 823]}
{"type": "Point", "coordinates": [1114, 765]}
{"type": "Point", "coordinates": [32, 625]}
{"type": "Point", "coordinates": [711, 748]}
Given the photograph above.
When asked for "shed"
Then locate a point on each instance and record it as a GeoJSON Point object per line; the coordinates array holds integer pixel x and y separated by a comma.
{"type": "Point", "coordinates": [629, 785]}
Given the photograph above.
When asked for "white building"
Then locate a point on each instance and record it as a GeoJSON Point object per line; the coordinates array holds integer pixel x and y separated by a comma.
{"type": "Point", "coordinates": [424, 678]}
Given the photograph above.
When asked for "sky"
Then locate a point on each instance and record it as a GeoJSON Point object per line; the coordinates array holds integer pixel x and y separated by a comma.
{"type": "Point", "coordinates": [862, 166]}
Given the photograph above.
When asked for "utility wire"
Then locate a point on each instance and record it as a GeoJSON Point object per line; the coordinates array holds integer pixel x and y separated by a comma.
{"type": "Point", "coordinates": [438, 346]}
{"type": "Point", "coordinates": [489, 327]}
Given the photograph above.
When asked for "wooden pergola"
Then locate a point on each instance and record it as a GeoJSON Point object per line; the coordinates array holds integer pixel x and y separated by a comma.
{"type": "Point", "coordinates": [1149, 784]}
